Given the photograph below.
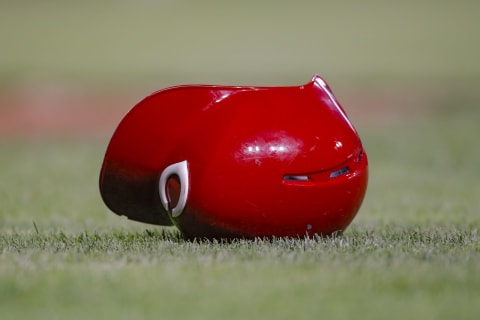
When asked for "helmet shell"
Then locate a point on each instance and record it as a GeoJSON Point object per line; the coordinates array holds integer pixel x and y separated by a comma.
{"type": "Point", "coordinates": [252, 161]}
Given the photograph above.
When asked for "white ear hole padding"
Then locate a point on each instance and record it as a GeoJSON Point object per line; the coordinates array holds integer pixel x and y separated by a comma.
{"type": "Point", "coordinates": [179, 169]}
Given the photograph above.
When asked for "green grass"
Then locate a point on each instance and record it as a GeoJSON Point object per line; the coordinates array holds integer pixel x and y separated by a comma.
{"type": "Point", "coordinates": [396, 273]}
{"type": "Point", "coordinates": [412, 252]}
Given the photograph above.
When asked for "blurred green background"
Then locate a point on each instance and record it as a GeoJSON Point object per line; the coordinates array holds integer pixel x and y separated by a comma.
{"type": "Point", "coordinates": [150, 43]}
{"type": "Point", "coordinates": [406, 72]}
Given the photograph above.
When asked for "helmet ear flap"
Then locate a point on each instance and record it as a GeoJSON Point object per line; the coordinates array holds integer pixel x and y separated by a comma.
{"type": "Point", "coordinates": [180, 170]}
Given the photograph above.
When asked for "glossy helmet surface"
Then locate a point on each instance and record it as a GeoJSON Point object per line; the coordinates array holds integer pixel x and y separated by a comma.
{"type": "Point", "coordinates": [225, 162]}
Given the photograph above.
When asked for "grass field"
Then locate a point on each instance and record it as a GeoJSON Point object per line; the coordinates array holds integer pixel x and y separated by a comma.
{"type": "Point", "coordinates": [413, 251]}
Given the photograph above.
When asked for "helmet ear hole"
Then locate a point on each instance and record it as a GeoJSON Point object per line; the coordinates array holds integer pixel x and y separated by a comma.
{"type": "Point", "coordinates": [176, 175]}
{"type": "Point", "coordinates": [172, 189]}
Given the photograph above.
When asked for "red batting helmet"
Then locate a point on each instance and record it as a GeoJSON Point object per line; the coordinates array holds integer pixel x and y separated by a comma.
{"type": "Point", "coordinates": [225, 162]}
